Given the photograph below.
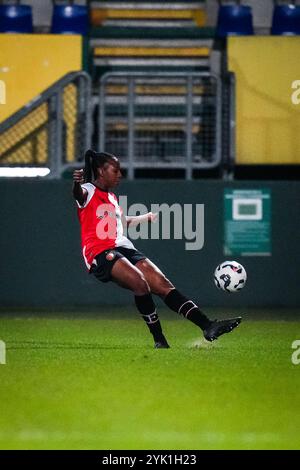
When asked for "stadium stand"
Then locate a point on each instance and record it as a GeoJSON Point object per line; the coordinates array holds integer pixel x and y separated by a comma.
{"type": "Point", "coordinates": [163, 109]}
{"type": "Point", "coordinates": [162, 93]}
{"type": "Point", "coordinates": [138, 34]}
{"type": "Point", "coordinates": [152, 38]}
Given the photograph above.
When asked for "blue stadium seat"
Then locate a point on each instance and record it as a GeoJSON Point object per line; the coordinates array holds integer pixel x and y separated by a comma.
{"type": "Point", "coordinates": [16, 19]}
{"type": "Point", "coordinates": [70, 19]}
{"type": "Point", "coordinates": [286, 20]}
{"type": "Point", "coordinates": [234, 20]}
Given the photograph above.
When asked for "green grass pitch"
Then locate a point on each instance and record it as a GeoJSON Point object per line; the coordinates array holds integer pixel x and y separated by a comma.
{"type": "Point", "coordinates": [82, 381]}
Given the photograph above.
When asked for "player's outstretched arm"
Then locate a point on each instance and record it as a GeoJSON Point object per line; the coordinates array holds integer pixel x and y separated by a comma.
{"type": "Point", "coordinates": [79, 193]}
{"type": "Point", "coordinates": [139, 219]}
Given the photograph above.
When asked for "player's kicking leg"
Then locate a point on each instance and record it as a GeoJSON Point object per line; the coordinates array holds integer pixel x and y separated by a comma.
{"type": "Point", "coordinates": [177, 302]}
{"type": "Point", "coordinates": [128, 276]}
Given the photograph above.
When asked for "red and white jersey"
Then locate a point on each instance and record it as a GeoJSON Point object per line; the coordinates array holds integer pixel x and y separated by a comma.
{"type": "Point", "coordinates": [101, 223]}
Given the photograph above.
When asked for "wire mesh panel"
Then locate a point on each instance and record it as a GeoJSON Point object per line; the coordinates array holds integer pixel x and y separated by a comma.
{"type": "Point", "coordinates": [25, 142]}
{"type": "Point", "coordinates": [53, 130]}
{"type": "Point", "coordinates": [161, 120]}
{"type": "Point", "coordinates": [76, 120]}
{"type": "Point", "coordinates": [205, 120]}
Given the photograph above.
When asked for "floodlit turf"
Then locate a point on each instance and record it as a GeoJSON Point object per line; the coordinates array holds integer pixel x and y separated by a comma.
{"type": "Point", "coordinates": [86, 382]}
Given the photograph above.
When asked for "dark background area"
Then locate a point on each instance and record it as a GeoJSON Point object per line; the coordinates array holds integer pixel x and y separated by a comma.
{"type": "Point", "coordinates": [41, 262]}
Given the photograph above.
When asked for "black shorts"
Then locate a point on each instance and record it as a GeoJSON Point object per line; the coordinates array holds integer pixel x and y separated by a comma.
{"type": "Point", "coordinates": [106, 260]}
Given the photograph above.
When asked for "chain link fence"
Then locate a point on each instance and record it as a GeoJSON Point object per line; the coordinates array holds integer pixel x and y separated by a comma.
{"type": "Point", "coordinates": [161, 120]}
{"type": "Point", "coordinates": [51, 131]}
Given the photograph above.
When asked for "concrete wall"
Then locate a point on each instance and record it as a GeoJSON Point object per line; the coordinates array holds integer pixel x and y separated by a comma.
{"type": "Point", "coordinates": [41, 262]}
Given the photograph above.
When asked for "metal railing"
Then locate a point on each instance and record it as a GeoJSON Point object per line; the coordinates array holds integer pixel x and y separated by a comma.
{"type": "Point", "coordinates": [53, 130]}
{"type": "Point", "coordinates": [228, 124]}
{"type": "Point", "coordinates": [161, 120]}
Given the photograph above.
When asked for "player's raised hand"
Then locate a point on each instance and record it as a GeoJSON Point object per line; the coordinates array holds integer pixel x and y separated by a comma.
{"type": "Point", "coordinates": [152, 217]}
{"type": "Point", "coordinates": [78, 176]}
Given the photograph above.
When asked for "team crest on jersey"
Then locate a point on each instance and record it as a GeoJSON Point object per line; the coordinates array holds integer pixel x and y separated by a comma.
{"type": "Point", "coordinates": [110, 256]}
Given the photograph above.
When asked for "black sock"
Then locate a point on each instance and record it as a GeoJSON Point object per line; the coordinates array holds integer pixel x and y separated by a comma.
{"type": "Point", "coordinates": [146, 307]}
{"type": "Point", "coordinates": [182, 305]}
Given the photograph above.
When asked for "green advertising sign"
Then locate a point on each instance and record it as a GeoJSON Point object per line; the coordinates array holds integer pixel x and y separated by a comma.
{"type": "Point", "coordinates": [247, 222]}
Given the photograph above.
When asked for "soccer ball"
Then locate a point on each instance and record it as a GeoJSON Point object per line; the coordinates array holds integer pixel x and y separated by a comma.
{"type": "Point", "coordinates": [230, 276]}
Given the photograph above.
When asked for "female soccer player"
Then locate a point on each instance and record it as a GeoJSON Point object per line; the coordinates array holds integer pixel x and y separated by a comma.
{"type": "Point", "coordinates": [110, 256]}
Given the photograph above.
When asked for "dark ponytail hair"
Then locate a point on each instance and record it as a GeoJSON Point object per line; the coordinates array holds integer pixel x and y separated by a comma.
{"type": "Point", "coordinates": [94, 160]}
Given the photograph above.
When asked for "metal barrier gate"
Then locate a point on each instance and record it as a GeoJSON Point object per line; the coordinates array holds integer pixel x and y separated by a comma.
{"type": "Point", "coordinates": [53, 130]}
{"type": "Point", "coordinates": [161, 120]}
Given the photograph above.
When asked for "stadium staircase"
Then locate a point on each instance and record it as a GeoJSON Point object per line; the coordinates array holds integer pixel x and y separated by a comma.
{"type": "Point", "coordinates": [141, 34]}
{"type": "Point", "coordinates": [161, 110]}
{"type": "Point", "coordinates": [151, 37]}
